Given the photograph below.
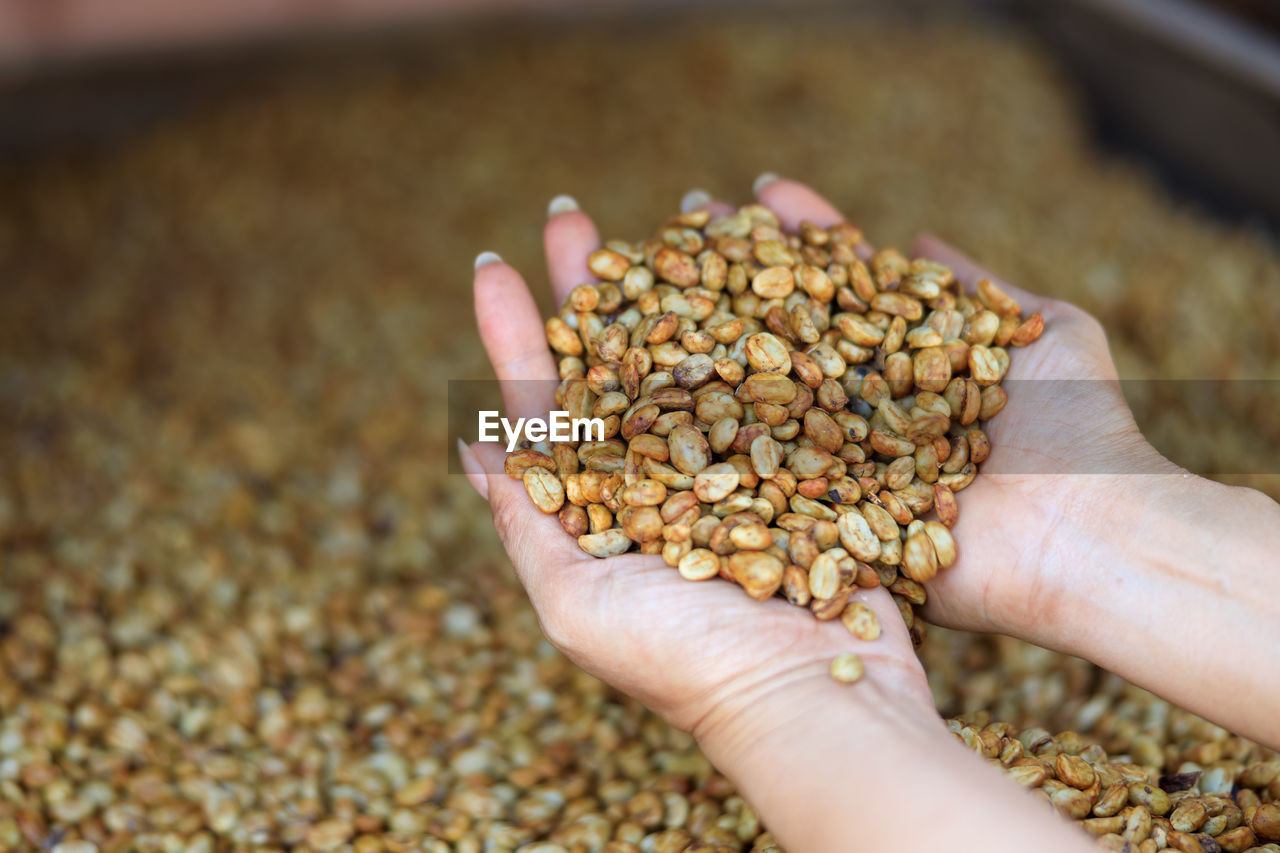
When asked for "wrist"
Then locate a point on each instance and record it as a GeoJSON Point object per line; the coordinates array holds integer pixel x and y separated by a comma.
{"type": "Point", "coordinates": [1090, 522]}
{"type": "Point", "coordinates": [806, 703]}
{"type": "Point", "coordinates": [802, 753]}
{"type": "Point", "coordinates": [832, 767]}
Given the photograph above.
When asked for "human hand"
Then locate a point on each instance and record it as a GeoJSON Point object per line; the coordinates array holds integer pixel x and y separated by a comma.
{"type": "Point", "coordinates": [748, 678]}
{"type": "Point", "coordinates": [1065, 417]}
{"type": "Point", "coordinates": [1063, 450]}
{"type": "Point", "coordinates": [1077, 535]}
{"type": "Point", "coordinates": [697, 653]}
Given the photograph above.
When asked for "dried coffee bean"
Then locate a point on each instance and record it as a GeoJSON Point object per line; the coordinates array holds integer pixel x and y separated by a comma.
{"type": "Point", "coordinates": [861, 621]}
{"type": "Point", "coordinates": [847, 668]}
{"type": "Point", "coordinates": [544, 488]}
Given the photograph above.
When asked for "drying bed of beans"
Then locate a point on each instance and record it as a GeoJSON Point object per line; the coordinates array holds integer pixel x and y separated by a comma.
{"type": "Point", "coordinates": [242, 605]}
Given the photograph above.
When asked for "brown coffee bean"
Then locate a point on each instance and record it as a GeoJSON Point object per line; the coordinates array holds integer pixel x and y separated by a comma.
{"type": "Point", "coordinates": [544, 489]}
{"type": "Point", "coordinates": [919, 560]}
{"type": "Point", "coordinates": [847, 668]}
{"type": "Point", "coordinates": [996, 299]}
{"type": "Point", "coordinates": [861, 621]}
{"type": "Point", "coordinates": [607, 543]}
{"type": "Point", "coordinates": [857, 536]}
{"type": "Point", "coordinates": [774, 282]}
{"type": "Point", "coordinates": [769, 388]}
{"type": "Point", "coordinates": [676, 267]}
{"type": "Point", "coordinates": [699, 564]}
{"type": "Point", "coordinates": [758, 573]}
{"type": "Point", "coordinates": [767, 354]}
{"type": "Point", "coordinates": [689, 450]}
{"type": "Point", "coordinates": [607, 264]}
{"type": "Point", "coordinates": [644, 493]}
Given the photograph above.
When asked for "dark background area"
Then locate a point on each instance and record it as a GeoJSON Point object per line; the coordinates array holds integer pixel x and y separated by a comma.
{"type": "Point", "coordinates": [1191, 88]}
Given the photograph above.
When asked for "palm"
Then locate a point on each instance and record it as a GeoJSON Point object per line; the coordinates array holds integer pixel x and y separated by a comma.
{"type": "Point", "coordinates": [661, 638]}
{"type": "Point", "coordinates": [680, 647]}
{"type": "Point", "coordinates": [1065, 417]}
{"type": "Point", "coordinates": [695, 638]}
{"type": "Point", "coordinates": [684, 648]}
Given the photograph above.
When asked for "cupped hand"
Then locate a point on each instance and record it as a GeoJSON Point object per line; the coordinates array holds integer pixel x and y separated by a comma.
{"type": "Point", "coordinates": [1064, 450]}
{"type": "Point", "coordinates": [698, 653]}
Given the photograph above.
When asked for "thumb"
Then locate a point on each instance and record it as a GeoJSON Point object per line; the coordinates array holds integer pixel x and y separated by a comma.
{"type": "Point", "coordinates": [969, 272]}
{"type": "Point", "coordinates": [534, 540]}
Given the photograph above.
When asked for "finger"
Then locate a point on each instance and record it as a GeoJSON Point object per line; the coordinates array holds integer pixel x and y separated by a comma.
{"type": "Point", "coordinates": [795, 203]}
{"type": "Point", "coordinates": [512, 331]}
{"type": "Point", "coordinates": [567, 239]}
{"type": "Point", "coordinates": [697, 199]}
{"type": "Point", "coordinates": [472, 468]}
{"type": "Point", "coordinates": [534, 540]}
{"type": "Point", "coordinates": [969, 273]}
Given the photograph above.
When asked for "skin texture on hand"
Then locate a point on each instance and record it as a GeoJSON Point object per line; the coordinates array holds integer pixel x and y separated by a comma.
{"type": "Point", "coordinates": [1065, 430]}
{"type": "Point", "coordinates": [1041, 558]}
{"type": "Point", "coordinates": [697, 653]}
{"type": "Point", "coordinates": [1079, 536]}
{"type": "Point", "coordinates": [747, 678]}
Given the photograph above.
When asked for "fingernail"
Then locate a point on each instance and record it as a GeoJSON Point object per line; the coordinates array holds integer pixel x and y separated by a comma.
{"type": "Point", "coordinates": [562, 204]}
{"type": "Point", "coordinates": [763, 181]}
{"type": "Point", "coordinates": [486, 258]}
{"type": "Point", "coordinates": [693, 200]}
{"type": "Point", "coordinates": [472, 468]}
